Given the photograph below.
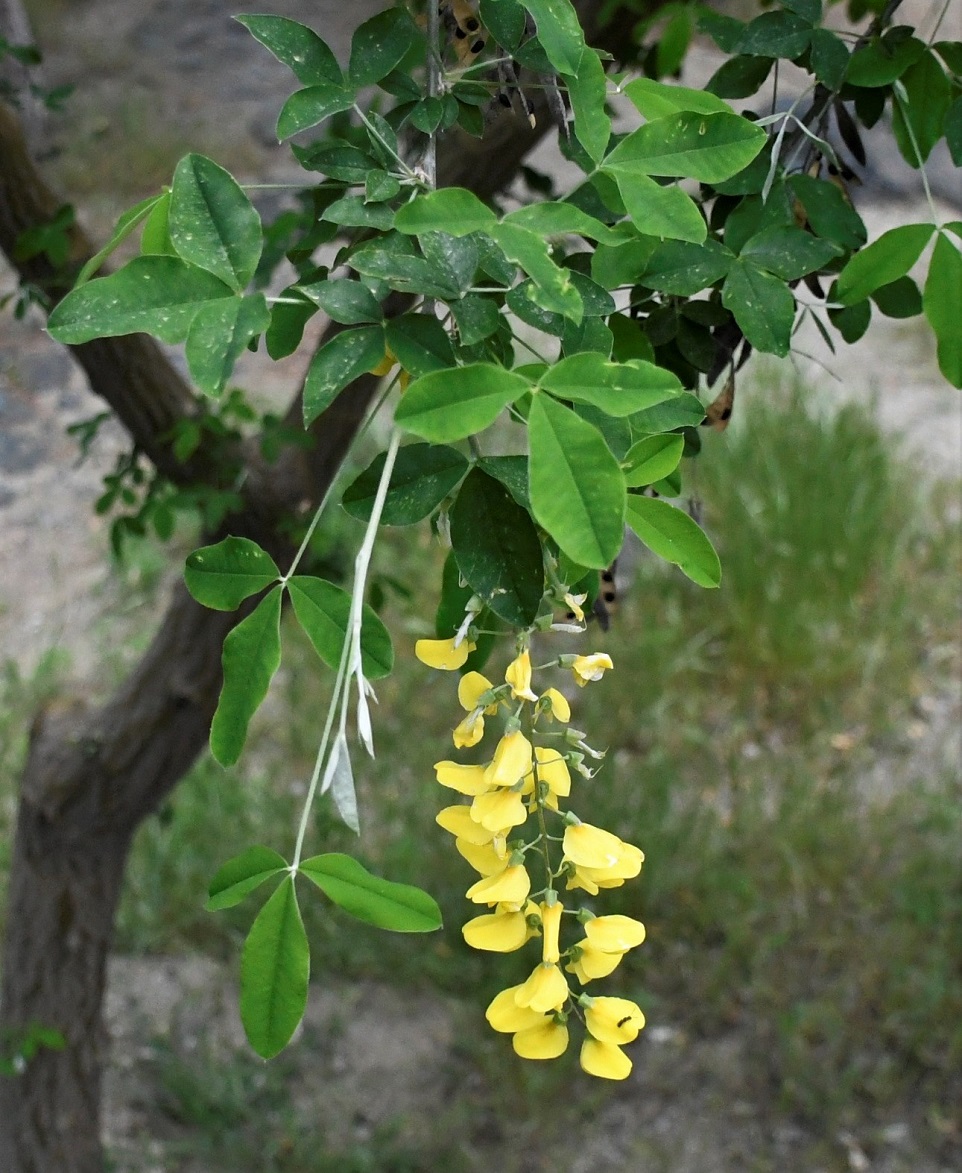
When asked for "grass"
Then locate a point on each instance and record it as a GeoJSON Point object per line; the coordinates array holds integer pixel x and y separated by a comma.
{"type": "Point", "coordinates": [803, 883]}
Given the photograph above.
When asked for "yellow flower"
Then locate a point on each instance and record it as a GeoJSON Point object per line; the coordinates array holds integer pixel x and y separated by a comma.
{"type": "Point", "coordinates": [501, 931]}
{"type": "Point", "coordinates": [591, 667]}
{"type": "Point", "coordinates": [626, 867]}
{"type": "Point", "coordinates": [471, 688]}
{"type": "Point", "coordinates": [469, 731]}
{"type": "Point", "coordinates": [457, 820]}
{"type": "Point", "coordinates": [551, 928]}
{"type": "Point", "coordinates": [484, 857]}
{"type": "Point", "coordinates": [441, 653]}
{"type": "Point", "coordinates": [546, 1041]}
{"type": "Point", "coordinates": [592, 847]}
{"type": "Point", "coordinates": [574, 606]}
{"type": "Point", "coordinates": [384, 364]}
{"type": "Point", "coordinates": [560, 709]}
{"type": "Point", "coordinates": [508, 887]}
{"type": "Point", "coordinates": [464, 779]}
{"type": "Point", "coordinates": [604, 1060]}
{"type": "Point", "coordinates": [499, 810]}
{"type": "Point", "coordinates": [614, 1020]}
{"type": "Point", "coordinates": [553, 772]}
{"type": "Point", "coordinates": [512, 760]}
{"type": "Point", "coordinates": [546, 989]}
{"type": "Point", "coordinates": [506, 1016]}
{"type": "Point", "coordinates": [518, 675]}
{"type": "Point", "coordinates": [614, 934]}
{"type": "Point", "coordinates": [592, 963]}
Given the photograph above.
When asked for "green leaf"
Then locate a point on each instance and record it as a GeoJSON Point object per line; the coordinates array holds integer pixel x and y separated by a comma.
{"type": "Point", "coordinates": [219, 335]}
{"type": "Point", "coordinates": [763, 306]}
{"type": "Point", "coordinates": [657, 209]}
{"type": "Point", "coordinates": [828, 211]}
{"type": "Point", "coordinates": [288, 320]}
{"type": "Point", "coordinates": [453, 210]}
{"type": "Point", "coordinates": [943, 307]}
{"type": "Point", "coordinates": [829, 57]}
{"type": "Point", "coordinates": [882, 262]}
{"type": "Point", "coordinates": [901, 299]}
{"type": "Point", "coordinates": [619, 389]}
{"type": "Point", "coordinates": [928, 94]}
{"type": "Point", "coordinates": [336, 160]}
{"type": "Point", "coordinates": [853, 320]}
{"type": "Point", "coordinates": [561, 219]}
{"type": "Point", "coordinates": [554, 289]}
{"type": "Point", "coordinates": [587, 91]}
{"type": "Point", "coordinates": [153, 295]}
{"type": "Point", "coordinates": [309, 107]}
{"type": "Point", "coordinates": [559, 32]}
{"type": "Point", "coordinates": [497, 549]}
{"type": "Point", "coordinates": [423, 475]}
{"type": "Point", "coordinates": [740, 77]}
{"type": "Point", "coordinates": [323, 611]}
{"type": "Point", "coordinates": [212, 222]}
{"type": "Point", "coordinates": [652, 459]}
{"type": "Point", "coordinates": [505, 21]}
{"type": "Point", "coordinates": [952, 128]}
{"type": "Point", "coordinates": [404, 271]}
{"type": "Point", "coordinates": [401, 908]}
{"type": "Point", "coordinates": [882, 62]}
{"type": "Point", "coordinates": [297, 46]}
{"type": "Point", "coordinates": [706, 147]}
{"type": "Point", "coordinates": [454, 256]}
{"type": "Point", "coordinates": [788, 252]}
{"type": "Point", "coordinates": [241, 875]}
{"type": "Point", "coordinates": [476, 317]}
{"type": "Point", "coordinates": [450, 405]}
{"type": "Point", "coordinates": [275, 971]}
{"type": "Point", "coordinates": [224, 575]}
{"type": "Point", "coordinates": [809, 10]}
{"type": "Point", "coordinates": [252, 654]}
{"type": "Point", "coordinates": [420, 343]}
{"type": "Point", "coordinates": [775, 34]}
{"type": "Point", "coordinates": [345, 301]}
{"type": "Point", "coordinates": [379, 44]}
{"type": "Point", "coordinates": [612, 267]}
{"type": "Point", "coordinates": [125, 225]}
{"type": "Point", "coordinates": [654, 99]}
{"type": "Point", "coordinates": [683, 268]}
{"type": "Point", "coordinates": [339, 362]}
{"type": "Point", "coordinates": [671, 534]}
{"type": "Point", "coordinates": [155, 238]}
{"type": "Point", "coordinates": [512, 472]}
{"type": "Point", "coordinates": [685, 411]}
{"type": "Point", "coordinates": [577, 487]}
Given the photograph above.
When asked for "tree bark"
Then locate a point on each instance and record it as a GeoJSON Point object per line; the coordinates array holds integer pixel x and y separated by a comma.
{"type": "Point", "coordinates": [92, 777]}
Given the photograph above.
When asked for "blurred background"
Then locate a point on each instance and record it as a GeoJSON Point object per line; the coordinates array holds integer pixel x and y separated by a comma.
{"type": "Point", "coordinates": [786, 749]}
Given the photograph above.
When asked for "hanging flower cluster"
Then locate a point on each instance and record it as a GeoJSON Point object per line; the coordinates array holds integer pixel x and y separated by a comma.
{"type": "Point", "coordinates": [513, 828]}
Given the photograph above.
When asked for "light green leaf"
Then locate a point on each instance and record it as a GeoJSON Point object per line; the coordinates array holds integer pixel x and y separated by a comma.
{"type": "Point", "coordinates": [450, 405]}
{"type": "Point", "coordinates": [652, 459]}
{"type": "Point", "coordinates": [553, 286]}
{"type": "Point", "coordinates": [339, 362]}
{"type": "Point", "coordinates": [354, 212]}
{"type": "Point", "coordinates": [656, 209]}
{"type": "Point", "coordinates": [308, 107]}
{"type": "Point", "coordinates": [153, 295]}
{"type": "Point", "coordinates": [684, 411]}
{"type": "Point", "coordinates": [763, 306]}
{"type": "Point", "coordinates": [587, 91]}
{"type": "Point", "coordinates": [219, 335]}
{"type": "Point", "coordinates": [706, 147]}
{"type": "Point", "coordinates": [212, 222]}
{"type": "Point", "coordinates": [401, 908]}
{"type": "Point", "coordinates": [942, 302]}
{"type": "Point", "coordinates": [223, 576]}
{"type": "Point", "coordinates": [125, 225]}
{"type": "Point", "coordinates": [252, 654]}
{"type": "Point", "coordinates": [453, 210]}
{"type": "Point", "coordinates": [379, 44]}
{"type": "Point", "coordinates": [671, 534]}
{"type": "Point", "coordinates": [323, 611]}
{"type": "Point", "coordinates": [423, 475]}
{"type": "Point", "coordinates": [654, 99]}
{"type": "Point", "coordinates": [882, 262]}
{"type": "Point", "coordinates": [241, 875]}
{"type": "Point", "coordinates": [275, 972]}
{"type": "Point", "coordinates": [576, 485]}
{"type": "Point", "coordinates": [619, 389]}
{"type": "Point", "coordinates": [561, 219]}
{"type": "Point", "coordinates": [559, 32]}
{"type": "Point", "coordinates": [155, 238]}
{"type": "Point", "coordinates": [297, 46]}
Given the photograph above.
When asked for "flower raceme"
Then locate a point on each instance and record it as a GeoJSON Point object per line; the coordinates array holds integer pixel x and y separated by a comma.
{"type": "Point", "coordinates": [509, 829]}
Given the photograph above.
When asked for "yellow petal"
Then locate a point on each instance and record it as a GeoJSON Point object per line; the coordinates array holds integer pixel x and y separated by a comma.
{"type": "Point", "coordinates": [591, 847]}
{"type": "Point", "coordinates": [497, 932]}
{"type": "Point", "coordinates": [483, 857]}
{"type": "Point", "coordinates": [505, 1015]}
{"type": "Point", "coordinates": [560, 709]}
{"type": "Point", "coordinates": [614, 934]}
{"type": "Point", "coordinates": [469, 731]}
{"type": "Point", "coordinates": [510, 886]}
{"type": "Point", "coordinates": [574, 606]}
{"type": "Point", "coordinates": [471, 688]}
{"type": "Point", "coordinates": [604, 1060]}
{"type": "Point", "coordinates": [545, 1041]}
{"type": "Point", "coordinates": [582, 878]}
{"type": "Point", "coordinates": [553, 769]}
{"type": "Point", "coordinates": [592, 963]}
{"type": "Point", "coordinates": [551, 927]}
{"type": "Point", "coordinates": [614, 1020]}
{"type": "Point", "coordinates": [463, 779]}
{"type": "Point", "coordinates": [457, 820]}
{"type": "Point", "coordinates": [518, 675]}
{"type": "Point", "coordinates": [593, 667]}
{"type": "Point", "coordinates": [385, 364]}
{"type": "Point", "coordinates": [546, 989]}
{"type": "Point", "coordinates": [441, 653]}
{"type": "Point", "coordinates": [499, 810]}
{"type": "Point", "coordinates": [512, 760]}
